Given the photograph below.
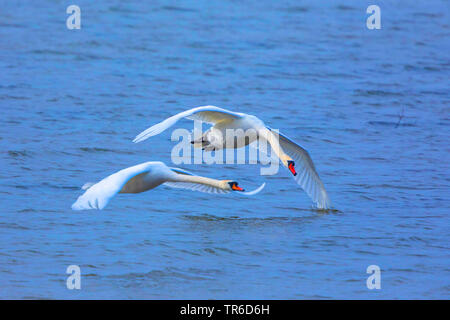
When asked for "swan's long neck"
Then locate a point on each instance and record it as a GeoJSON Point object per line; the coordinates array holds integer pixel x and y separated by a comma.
{"type": "Point", "coordinates": [220, 184]}
{"type": "Point", "coordinates": [274, 142]}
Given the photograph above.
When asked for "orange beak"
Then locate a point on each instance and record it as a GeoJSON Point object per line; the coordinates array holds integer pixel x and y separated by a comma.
{"type": "Point", "coordinates": [292, 168]}
{"type": "Point", "coordinates": [235, 187]}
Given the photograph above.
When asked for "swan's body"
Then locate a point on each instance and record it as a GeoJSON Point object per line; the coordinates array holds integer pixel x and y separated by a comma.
{"type": "Point", "coordinates": [289, 153]}
{"type": "Point", "coordinates": [146, 176]}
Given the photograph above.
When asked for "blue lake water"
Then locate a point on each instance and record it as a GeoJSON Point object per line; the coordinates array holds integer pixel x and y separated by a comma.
{"type": "Point", "coordinates": [371, 107]}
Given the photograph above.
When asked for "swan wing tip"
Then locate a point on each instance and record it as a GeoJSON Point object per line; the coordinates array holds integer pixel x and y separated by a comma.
{"type": "Point", "coordinates": [324, 204]}
{"type": "Point", "coordinates": [137, 139]}
{"type": "Point", "coordinates": [76, 206]}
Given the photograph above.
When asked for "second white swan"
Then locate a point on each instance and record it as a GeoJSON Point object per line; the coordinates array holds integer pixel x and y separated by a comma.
{"type": "Point", "coordinates": [146, 176]}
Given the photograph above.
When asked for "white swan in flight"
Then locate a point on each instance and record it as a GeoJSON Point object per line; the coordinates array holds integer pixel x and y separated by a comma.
{"type": "Point", "coordinates": [146, 176]}
{"type": "Point", "coordinates": [292, 156]}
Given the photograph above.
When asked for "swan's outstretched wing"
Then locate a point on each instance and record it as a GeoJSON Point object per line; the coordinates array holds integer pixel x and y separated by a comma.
{"type": "Point", "coordinates": [209, 114]}
{"type": "Point", "coordinates": [195, 187]}
{"type": "Point", "coordinates": [181, 171]}
{"type": "Point", "coordinates": [87, 185]}
{"type": "Point", "coordinates": [208, 189]}
{"type": "Point", "coordinates": [307, 176]}
{"type": "Point", "coordinates": [98, 195]}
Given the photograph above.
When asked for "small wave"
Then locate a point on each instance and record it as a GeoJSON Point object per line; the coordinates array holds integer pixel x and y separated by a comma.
{"type": "Point", "coordinates": [382, 93]}
{"type": "Point", "coordinates": [391, 124]}
{"type": "Point", "coordinates": [27, 210]}
{"type": "Point", "coordinates": [295, 9]}
{"type": "Point", "coordinates": [13, 25]}
{"type": "Point", "coordinates": [9, 97]}
{"type": "Point", "coordinates": [160, 276]}
{"type": "Point", "coordinates": [428, 14]}
{"type": "Point", "coordinates": [345, 8]}
{"type": "Point", "coordinates": [13, 226]}
{"type": "Point", "coordinates": [102, 150]}
{"type": "Point", "coordinates": [19, 154]}
{"type": "Point", "coordinates": [176, 8]}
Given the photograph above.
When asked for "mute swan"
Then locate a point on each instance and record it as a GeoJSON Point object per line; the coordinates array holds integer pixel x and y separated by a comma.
{"type": "Point", "coordinates": [290, 153]}
{"type": "Point", "coordinates": [146, 176]}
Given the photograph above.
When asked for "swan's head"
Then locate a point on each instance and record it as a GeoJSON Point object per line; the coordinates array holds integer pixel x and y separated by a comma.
{"type": "Point", "coordinates": [289, 163]}
{"type": "Point", "coordinates": [234, 186]}
{"type": "Point", "coordinates": [291, 167]}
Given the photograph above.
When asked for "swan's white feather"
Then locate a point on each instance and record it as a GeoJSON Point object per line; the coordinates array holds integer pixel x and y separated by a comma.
{"type": "Point", "coordinates": [210, 114]}
{"type": "Point", "coordinates": [195, 187]}
{"type": "Point", "coordinates": [307, 176]}
{"type": "Point", "coordinates": [181, 171]}
{"type": "Point", "coordinates": [98, 195]}
{"type": "Point", "coordinates": [87, 185]}
{"type": "Point", "coordinates": [209, 189]}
